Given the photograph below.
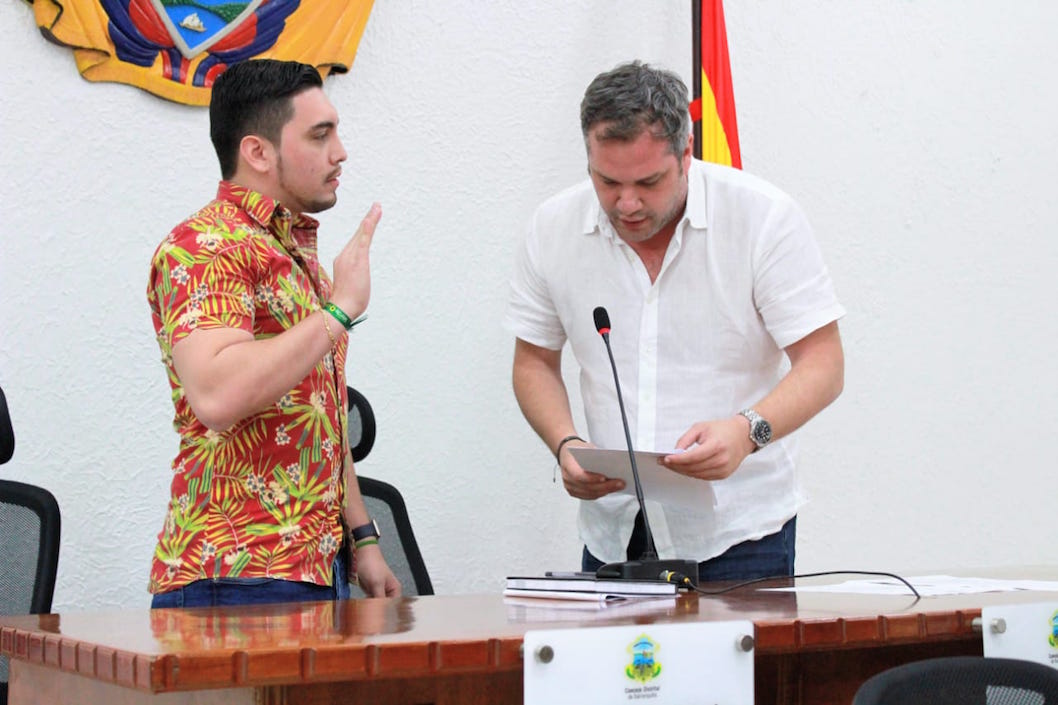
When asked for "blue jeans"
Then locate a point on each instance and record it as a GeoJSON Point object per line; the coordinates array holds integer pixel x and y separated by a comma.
{"type": "Point", "coordinates": [767, 557]}
{"type": "Point", "coordinates": [215, 592]}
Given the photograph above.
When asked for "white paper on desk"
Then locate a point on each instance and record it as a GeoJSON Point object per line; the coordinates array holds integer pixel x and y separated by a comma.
{"type": "Point", "coordinates": [927, 586]}
{"type": "Point", "coordinates": [659, 483]}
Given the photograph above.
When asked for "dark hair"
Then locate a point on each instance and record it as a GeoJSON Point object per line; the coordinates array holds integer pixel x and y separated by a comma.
{"type": "Point", "coordinates": [254, 98]}
{"type": "Point", "coordinates": [634, 97]}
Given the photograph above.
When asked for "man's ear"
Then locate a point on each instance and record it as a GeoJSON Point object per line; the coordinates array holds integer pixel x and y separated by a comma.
{"type": "Point", "coordinates": [258, 153]}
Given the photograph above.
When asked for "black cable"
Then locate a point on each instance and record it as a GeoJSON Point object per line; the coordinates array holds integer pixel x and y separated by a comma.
{"type": "Point", "coordinates": [684, 581]}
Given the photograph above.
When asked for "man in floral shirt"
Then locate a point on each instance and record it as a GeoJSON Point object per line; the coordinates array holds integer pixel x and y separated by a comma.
{"type": "Point", "coordinates": [253, 335]}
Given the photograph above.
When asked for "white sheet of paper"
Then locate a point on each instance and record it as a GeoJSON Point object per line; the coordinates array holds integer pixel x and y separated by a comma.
{"type": "Point", "coordinates": [927, 586]}
{"type": "Point", "coordinates": [659, 483]}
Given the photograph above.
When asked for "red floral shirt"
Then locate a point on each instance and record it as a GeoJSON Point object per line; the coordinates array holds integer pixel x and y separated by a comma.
{"type": "Point", "coordinates": [262, 498]}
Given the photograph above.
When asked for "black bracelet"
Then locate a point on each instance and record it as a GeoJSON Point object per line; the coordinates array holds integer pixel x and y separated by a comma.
{"type": "Point", "coordinates": [566, 440]}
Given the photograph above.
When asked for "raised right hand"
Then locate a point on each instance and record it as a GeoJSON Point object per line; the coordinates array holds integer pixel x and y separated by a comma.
{"type": "Point", "coordinates": [352, 267]}
{"type": "Point", "coordinates": [579, 482]}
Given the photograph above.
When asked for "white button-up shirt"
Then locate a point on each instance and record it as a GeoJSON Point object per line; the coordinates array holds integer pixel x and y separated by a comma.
{"type": "Point", "coordinates": [742, 279]}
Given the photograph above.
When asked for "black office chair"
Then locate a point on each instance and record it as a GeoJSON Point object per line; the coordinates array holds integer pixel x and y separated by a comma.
{"type": "Point", "coordinates": [29, 542]}
{"type": "Point", "coordinates": [29, 554]}
{"type": "Point", "coordinates": [7, 434]}
{"type": "Point", "coordinates": [386, 506]}
{"type": "Point", "coordinates": [361, 425]}
{"type": "Point", "coordinates": [962, 680]}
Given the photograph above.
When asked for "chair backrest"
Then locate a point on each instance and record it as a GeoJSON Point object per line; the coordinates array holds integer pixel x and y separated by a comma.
{"type": "Point", "coordinates": [29, 548]}
{"type": "Point", "coordinates": [361, 425]}
{"type": "Point", "coordinates": [7, 433]}
{"type": "Point", "coordinates": [962, 679]}
{"type": "Point", "coordinates": [29, 553]}
{"type": "Point", "coordinates": [386, 506]}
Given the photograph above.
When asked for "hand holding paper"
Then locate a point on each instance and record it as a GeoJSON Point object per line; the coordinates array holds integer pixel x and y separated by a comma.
{"type": "Point", "coordinates": [659, 483]}
{"type": "Point", "coordinates": [713, 449]}
{"type": "Point", "coordinates": [581, 482]}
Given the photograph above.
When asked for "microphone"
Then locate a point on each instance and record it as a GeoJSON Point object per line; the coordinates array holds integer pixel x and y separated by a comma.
{"type": "Point", "coordinates": [648, 567]}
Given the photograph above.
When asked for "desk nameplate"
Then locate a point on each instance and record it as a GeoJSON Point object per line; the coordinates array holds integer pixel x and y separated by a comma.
{"type": "Point", "coordinates": [709, 662]}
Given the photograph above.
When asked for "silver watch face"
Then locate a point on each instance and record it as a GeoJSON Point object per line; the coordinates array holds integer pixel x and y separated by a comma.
{"type": "Point", "coordinates": [759, 429]}
{"type": "Point", "coordinates": [760, 432]}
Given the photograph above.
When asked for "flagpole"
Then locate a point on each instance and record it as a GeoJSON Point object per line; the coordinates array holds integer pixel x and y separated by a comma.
{"type": "Point", "coordinates": [696, 69]}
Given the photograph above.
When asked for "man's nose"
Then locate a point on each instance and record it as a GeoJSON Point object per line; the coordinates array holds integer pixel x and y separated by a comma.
{"type": "Point", "coordinates": [628, 200]}
{"type": "Point", "coordinates": [339, 154]}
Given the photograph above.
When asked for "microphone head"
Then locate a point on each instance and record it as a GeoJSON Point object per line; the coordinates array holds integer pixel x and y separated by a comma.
{"type": "Point", "coordinates": [602, 320]}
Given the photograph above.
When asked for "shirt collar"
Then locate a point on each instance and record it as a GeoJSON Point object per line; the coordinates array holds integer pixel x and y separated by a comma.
{"type": "Point", "coordinates": [595, 220]}
{"type": "Point", "coordinates": [695, 212]}
{"type": "Point", "coordinates": [262, 208]}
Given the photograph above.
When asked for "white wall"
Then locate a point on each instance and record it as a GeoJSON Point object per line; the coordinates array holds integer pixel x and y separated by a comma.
{"type": "Point", "coordinates": [919, 136]}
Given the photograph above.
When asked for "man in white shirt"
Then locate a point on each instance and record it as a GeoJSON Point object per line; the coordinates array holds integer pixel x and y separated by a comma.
{"type": "Point", "coordinates": [724, 332]}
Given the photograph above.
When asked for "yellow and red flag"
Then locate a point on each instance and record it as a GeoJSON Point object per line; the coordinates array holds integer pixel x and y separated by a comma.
{"type": "Point", "coordinates": [713, 107]}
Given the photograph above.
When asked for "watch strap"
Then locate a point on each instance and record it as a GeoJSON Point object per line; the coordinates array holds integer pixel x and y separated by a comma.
{"type": "Point", "coordinates": [759, 428]}
{"type": "Point", "coordinates": [365, 531]}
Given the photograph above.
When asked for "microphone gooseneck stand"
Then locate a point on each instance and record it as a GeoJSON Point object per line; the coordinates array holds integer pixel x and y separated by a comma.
{"type": "Point", "coordinates": [648, 567]}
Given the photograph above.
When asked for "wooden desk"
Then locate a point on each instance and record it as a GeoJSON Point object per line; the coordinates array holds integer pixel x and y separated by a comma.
{"type": "Point", "coordinates": [810, 648]}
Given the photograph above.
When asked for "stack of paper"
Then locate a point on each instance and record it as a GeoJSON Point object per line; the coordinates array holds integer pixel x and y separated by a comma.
{"type": "Point", "coordinates": [586, 588]}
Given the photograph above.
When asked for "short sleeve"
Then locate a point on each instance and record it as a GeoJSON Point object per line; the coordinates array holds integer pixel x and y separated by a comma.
{"type": "Point", "coordinates": [203, 276]}
{"type": "Point", "coordinates": [531, 313]}
{"type": "Point", "coordinates": [792, 287]}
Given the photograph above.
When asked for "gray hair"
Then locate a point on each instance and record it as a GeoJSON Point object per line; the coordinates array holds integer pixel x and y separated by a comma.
{"type": "Point", "coordinates": [634, 97]}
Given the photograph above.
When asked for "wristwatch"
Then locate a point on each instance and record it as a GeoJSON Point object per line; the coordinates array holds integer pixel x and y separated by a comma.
{"type": "Point", "coordinates": [759, 428]}
{"type": "Point", "coordinates": [365, 531]}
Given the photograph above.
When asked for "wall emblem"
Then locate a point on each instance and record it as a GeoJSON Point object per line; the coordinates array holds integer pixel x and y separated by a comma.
{"type": "Point", "coordinates": [177, 48]}
{"type": "Point", "coordinates": [195, 27]}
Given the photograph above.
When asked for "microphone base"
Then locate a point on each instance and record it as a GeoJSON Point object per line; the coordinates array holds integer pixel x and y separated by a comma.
{"type": "Point", "coordinates": [648, 569]}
